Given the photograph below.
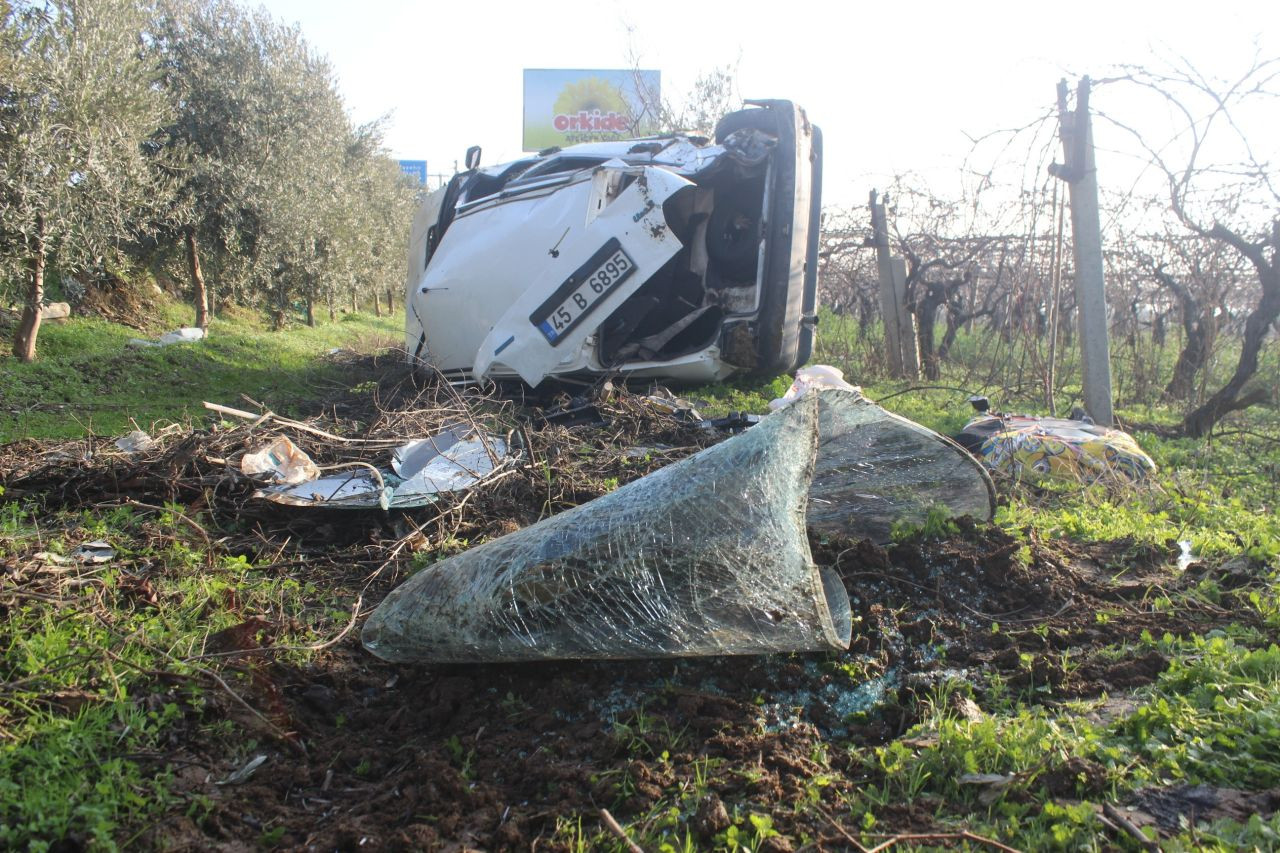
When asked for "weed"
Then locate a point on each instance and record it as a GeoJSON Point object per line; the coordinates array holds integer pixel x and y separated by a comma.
{"type": "Point", "coordinates": [937, 524]}
{"type": "Point", "coordinates": [463, 758]}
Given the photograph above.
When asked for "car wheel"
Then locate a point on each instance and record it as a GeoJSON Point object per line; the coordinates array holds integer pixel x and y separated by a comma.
{"type": "Point", "coordinates": [733, 238]}
{"type": "Point", "coordinates": [753, 119]}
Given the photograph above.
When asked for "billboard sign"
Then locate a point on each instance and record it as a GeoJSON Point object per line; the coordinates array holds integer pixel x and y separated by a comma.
{"type": "Point", "coordinates": [416, 169]}
{"type": "Point", "coordinates": [567, 106]}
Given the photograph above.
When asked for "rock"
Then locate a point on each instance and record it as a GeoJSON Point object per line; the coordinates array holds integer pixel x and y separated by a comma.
{"type": "Point", "coordinates": [55, 311]}
{"type": "Point", "coordinates": [967, 708]}
{"type": "Point", "coordinates": [712, 816]}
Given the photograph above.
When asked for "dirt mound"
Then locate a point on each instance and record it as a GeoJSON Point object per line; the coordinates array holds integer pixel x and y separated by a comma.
{"type": "Point", "coordinates": [110, 297]}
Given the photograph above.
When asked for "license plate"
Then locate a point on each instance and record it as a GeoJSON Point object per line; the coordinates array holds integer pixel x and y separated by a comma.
{"type": "Point", "coordinates": [581, 292]}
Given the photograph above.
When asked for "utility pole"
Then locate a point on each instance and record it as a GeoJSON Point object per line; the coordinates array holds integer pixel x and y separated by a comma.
{"type": "Point", "coordinates": [899, 324]}
{"type": "Point", "coordinates": [1081, 175]}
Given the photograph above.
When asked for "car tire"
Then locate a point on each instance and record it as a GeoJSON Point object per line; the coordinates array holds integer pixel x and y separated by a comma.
{"type": "Point", "coordinates": [753, 119]}
{"type": "Point", "coordinates": [733, 238]}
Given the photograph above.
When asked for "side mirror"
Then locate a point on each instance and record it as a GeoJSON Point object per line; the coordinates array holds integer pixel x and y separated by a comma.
{"type": "Point", "coordinates": [473, 157]}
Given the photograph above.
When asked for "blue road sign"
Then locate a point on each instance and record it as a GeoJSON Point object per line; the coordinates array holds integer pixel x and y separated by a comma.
{"type": "Point", "coordinates": [415, 169]}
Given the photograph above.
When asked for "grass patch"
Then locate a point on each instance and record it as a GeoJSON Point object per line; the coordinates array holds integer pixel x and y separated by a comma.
{"type": "Point", "coordinates": [87, 380]}
{"type": "Point", "coordinates": [94, 686]}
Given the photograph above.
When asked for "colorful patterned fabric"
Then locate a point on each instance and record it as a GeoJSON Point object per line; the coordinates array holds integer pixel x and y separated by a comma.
{"type": "Point", "coordinates": [1025, 447]}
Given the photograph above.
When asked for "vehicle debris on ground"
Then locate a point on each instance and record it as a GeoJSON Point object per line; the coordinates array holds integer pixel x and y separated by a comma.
{"type": "Point", "coordinates": [578, 583]}
{"type": "Point", "coordinates": [1031, 448]}
{"type": "Point", "coordinates": [420, 470]}
{"type": "Point", "coordinates": [707, 556]}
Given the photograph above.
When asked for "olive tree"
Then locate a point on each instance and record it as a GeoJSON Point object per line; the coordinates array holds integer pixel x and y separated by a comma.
{"type": "Point", "coordinates": [252, 104]}
{"type": "Point", "coordinates": [81, 105]}
{"type": "Point", "coordinates": [276, 200]}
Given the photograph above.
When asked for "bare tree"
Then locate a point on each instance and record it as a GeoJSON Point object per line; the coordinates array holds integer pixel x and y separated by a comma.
{"type": "Point", "coordinates": [696, 111]}
{"type": "Point", "coordinates": [1223, 189]}
{"type": "Point", "coordinates": [942, 241]}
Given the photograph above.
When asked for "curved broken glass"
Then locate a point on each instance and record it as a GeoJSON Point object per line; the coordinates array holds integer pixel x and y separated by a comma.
{"type": "Point", "coordinates": [876, 469]}
{"type": "Point", "coordinates": [708, 556]}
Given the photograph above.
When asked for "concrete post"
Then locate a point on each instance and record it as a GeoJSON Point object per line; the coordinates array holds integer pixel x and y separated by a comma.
{"type": "Point", "coordinates": [1080, 173]}
{"type": "Point", "coordinates": [908, 337]}
{"type": "Point", "coordinates": [899, 324]}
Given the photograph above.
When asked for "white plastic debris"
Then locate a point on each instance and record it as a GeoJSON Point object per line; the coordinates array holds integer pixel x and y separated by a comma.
{"type": "Point", "coordinates": [809, 378]}
{"type": "Point", "coordinates": [135, 442]}
{"type": "Point", "coordinates": [282, 461]}
{"type": "Point", "coordinates": [446, 462]}
{"type": "Point", "coordinates": [93, 553]}
{"type": "Point", "coordinates": [185, 335]}
{"type": "Point", "coordinates": [451, 461]}
{"type": "Point", "coordinates": [239, 777]}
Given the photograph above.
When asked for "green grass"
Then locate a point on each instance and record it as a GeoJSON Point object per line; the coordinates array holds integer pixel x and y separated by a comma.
{"type": "Point", "coordinates": [75, 719]}
{"type": "Point", "coordinates": [1211, 719]}
{"type": "Point", "coordinates": [86, 380]}
{"type": "Point", "coordinates": [74, 722]}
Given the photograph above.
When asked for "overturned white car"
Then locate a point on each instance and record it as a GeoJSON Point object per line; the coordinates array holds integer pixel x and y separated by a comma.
{"type": "Point", "coordinates": [668, 256]}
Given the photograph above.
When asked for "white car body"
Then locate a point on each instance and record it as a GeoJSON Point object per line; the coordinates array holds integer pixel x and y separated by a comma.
{"type": "Point", "coordinates": [663, 257]}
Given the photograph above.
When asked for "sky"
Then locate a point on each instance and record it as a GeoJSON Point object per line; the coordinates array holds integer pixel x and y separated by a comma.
{"type": "Point", "coordinates": [896, 88]}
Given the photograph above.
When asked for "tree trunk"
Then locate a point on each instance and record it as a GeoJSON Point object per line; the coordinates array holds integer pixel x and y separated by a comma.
{"type": "Point", "coordinates": [197, 281]}
{"type": "Point", "coordinates": [1195, 352]}
{"type": "Point", "coordinates": [1228, 399]}
{"type": "Point", "coordinates": [333, 315]}
{"type": "Point", "coordinates": [24, 339]}
{"type": "Point", "coordinates": [1197, 325]}
{"type": "Point", "coordinates": [354, 306]}
{"type": "Point", "coordinates": [926, 319]}
{"type": "Point", "coordinates": [391, 305]}
{"type": "Point", "coordinates": [311, 312]}
{"type": "Point", "coordinates": [280, 311]}
{"type": "Point", "coordinates": [377, 305]}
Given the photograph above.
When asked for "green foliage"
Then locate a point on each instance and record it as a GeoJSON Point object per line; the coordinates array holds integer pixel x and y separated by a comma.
{"type": "Point", "coordinates": [190, 126]}
{"type": "Point", "coordinates": [937, 524]}
{"type": "Point", "coordinates": [80, 102]}
{"type": "Point", "coordinates": [69, 774]}
{"type": "Point", "coordinates": [739, 395]}
{"type": "Point", "coordinates": [1209, 719]}
{"type": "Point", "coordinates": [80, 105]}
{"type": "Point", "coordinates": [81, 703]}
{"type": "Point", "coordinates": [286, 199]}
{"type": "Point", "coordinates": [1209, 497]}
{"type": "Point", "coordinates": [1214, 715]}
{"type": "Point", "coordinates": [88, 380]}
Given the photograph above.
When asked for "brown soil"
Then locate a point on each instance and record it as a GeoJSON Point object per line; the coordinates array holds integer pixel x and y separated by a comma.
{"type": "Point", "coordinates": [112, 298]}
{"type": "Point", "coordinates": [361, 754]}
{"type": "Point", "coordinates": [497, 757]}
